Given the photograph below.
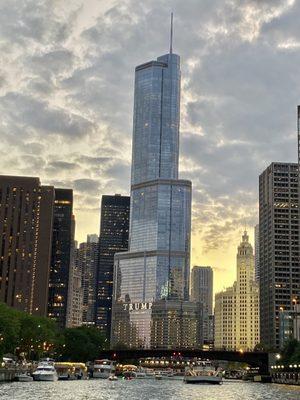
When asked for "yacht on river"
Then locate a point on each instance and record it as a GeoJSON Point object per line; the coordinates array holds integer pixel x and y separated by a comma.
{"type": "Point", "coordinates": [202, 372]}
{"type": "Point", "coordinates": [104, 369]}
{"type": "Point", "coordinates": [45, 372]}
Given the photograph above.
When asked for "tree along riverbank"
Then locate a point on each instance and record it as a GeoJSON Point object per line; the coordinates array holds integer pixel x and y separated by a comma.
{"type": "Point", "coordinates": [26, 336]}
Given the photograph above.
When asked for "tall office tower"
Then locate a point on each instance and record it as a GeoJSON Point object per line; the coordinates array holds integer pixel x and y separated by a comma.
{"type": "Point", "coordinates": [202, 292]}
{"type": "Point", "coordinates": [75, 290]}
{"type": "Point", "coordinates": [114, 228]}
{"type": "Point", "coordinates": [278, 247]}
{"type": "Point", "coordinates": [237, 308]}
{"type": "Point", "coordinates": [26, 230]}
{"type": "Point", "coordinates": [156, 267]}
{"type": "Point", "coordinates": [60, 256]}
{"type": "Point", "coordinates": [87, 263]}
{"type": "Point", "coordinates": [256, 251]}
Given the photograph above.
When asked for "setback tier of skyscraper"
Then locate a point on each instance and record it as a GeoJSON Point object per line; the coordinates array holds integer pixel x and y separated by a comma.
{"type": "Point", "coordinates": [156, 267]}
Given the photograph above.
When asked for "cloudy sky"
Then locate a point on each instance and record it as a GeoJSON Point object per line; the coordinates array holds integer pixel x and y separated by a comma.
{"type": "Point", "coordinates": [66, 93]}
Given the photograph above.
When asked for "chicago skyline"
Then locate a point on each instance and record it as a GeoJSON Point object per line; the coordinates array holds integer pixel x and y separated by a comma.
{"type": "Point", "coordinates": [151, 276]}
{"type": "Point", "coordinates": [230, 105]}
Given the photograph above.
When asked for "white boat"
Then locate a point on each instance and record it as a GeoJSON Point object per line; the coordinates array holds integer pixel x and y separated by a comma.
{"type": "Point", "coordinates": [24, 377]}
{"type": "Point", "coordinates": [144, 373]}
{"type": "Point", "coordinates": [202, 372]}
{"type": "Point", "coordinates": [170, 377]}
{"type": "Point", "coordinates": [103, 369]}
{"type": "Point", "coordinates": [112, 378]}
{"type": "Point", "coordinates": [45, 372]}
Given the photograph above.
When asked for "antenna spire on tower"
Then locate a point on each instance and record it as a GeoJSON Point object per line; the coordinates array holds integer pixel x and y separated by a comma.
{"type": "Point", "coordinates": [171, 34]}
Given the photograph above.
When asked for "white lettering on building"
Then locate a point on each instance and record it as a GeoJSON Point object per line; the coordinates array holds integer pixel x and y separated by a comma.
{"type": "Point", "coordinates": [137, 306]}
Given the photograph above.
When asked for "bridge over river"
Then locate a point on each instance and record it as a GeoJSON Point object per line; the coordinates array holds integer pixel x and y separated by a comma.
{"type": "Point", "coordinates": [257, 359]}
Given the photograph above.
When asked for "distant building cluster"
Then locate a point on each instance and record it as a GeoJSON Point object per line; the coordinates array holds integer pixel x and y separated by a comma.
{"type": "Point", "coordinates": [42, 271]}
{"type": "Point", "coordinates": [133, 280]}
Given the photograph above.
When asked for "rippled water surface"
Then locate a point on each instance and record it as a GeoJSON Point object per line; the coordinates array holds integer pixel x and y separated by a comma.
{"type": "Point", "coordinates": [145, 390]}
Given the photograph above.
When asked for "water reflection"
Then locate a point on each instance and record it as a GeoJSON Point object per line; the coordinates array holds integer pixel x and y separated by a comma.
{"type": "Point", "coordinates": [145, 390]}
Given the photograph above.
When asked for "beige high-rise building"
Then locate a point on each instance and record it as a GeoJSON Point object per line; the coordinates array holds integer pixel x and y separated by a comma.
{"type": "Point", "coordinates": [75, 290]}
{"type": "Point", "coordinates": [87, 262]}
{"type": "Point", "coordinates": [237, 308]}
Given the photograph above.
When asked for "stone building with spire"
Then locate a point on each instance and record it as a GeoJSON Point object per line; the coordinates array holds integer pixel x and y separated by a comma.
{"type": "Point", "coordinates": [237, 308]}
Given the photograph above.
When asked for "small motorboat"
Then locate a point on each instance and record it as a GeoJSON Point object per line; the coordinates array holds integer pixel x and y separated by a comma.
{"type": "Point", "coordinates": [24, 377]}
{"type": "Point", "coordinates": [112, 378]}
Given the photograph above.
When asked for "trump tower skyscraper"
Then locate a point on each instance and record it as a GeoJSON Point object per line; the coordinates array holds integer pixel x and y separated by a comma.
{"type": "Point", "coordinates": [155, 269]}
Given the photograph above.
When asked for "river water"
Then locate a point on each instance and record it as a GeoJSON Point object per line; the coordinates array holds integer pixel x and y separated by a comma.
{"type": "Point", "coordinates": [145, 390]}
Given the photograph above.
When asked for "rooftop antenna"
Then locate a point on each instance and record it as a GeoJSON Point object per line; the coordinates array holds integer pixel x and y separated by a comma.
{"type": "Point", "coordinates": [171, 34]}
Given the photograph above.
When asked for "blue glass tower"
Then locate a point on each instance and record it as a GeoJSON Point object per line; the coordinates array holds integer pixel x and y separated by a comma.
{"type": "Point", "coordinates": [156, 267]}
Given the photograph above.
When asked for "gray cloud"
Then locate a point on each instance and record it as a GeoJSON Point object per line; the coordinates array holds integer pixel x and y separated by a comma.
{"type": "Point", "coordinates": [86, 185]}
{"type": "Point", "coordinates": [28, 21]}
{"type": "Point", "coordinates": [59, 165]}
{"type": "Point", "coordinates": [30, 113]}
{"type": "Point", "coordinates": [66, 93]}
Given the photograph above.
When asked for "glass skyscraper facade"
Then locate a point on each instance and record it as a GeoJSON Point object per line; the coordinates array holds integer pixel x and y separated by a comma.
{"type": "Point", "coordinates": [156, 267]}
{"type": "Point", "coordinates": [62, 238]}
{"type": "Point", "coordinates": [113, 239]}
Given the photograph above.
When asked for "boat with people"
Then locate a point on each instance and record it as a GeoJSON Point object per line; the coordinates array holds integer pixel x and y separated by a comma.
{"type": "Point", "coordinates": [202, 372]}
{"type": "Point", "coordinates": [168, 374]}
{"type": "Point", "coordinates": [45, 371]}
{"type": "Point", "coordinates": [71, 371]}
{"type": "Point", "coordinates": [134, 372]}
{"type": "Point", "coordinates": [104, 368]}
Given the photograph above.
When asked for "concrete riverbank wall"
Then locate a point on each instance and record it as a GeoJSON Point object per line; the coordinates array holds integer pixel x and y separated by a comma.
{"type": "Point", "coordinates": [287, 378]}
{"type": "Point", "coordinates": [7, 374]}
